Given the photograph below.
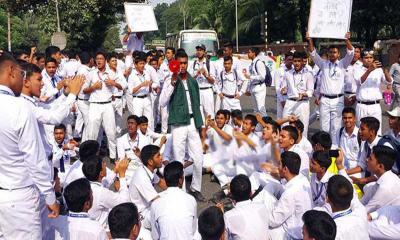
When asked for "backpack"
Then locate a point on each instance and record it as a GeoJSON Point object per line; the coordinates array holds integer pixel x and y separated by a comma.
{"type": "Point", "coordinates": [207, 65]}
{"type": "Point", "coordinates": [268, 77]}
{"type": "Point", "coordinates": [235, 75]}
{"type": "Point", "coordinates": [395, 144]}
{"type": "Point", "coordinates": [341, 133]}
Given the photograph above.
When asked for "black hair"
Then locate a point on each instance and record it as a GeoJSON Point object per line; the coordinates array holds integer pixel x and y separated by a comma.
{"type": "Point", "coordinates": [228, 58]}
{"type": "Point", "coordinates": [227, 113]}
{"type": "Point", "coordinates": [149, 54]}
{"type": "Point", "coordinates": [87, 149]}
{"type": "Point", "coordinates": [298, 124]}
{"type": "Point", "coordinates": [111, 55]}
{"type": "Point", "coordinates": [170, 48]}
{"type": "Point", "coordinates": [236, 113]}
{"type": "Point", "coordinates": [76, 194]}
{"type": "Point", "coordinates": [181, 54]}
{"type": "Point", "coordinates": [292, 161]}
{"type": "Point", "coordinates": [30, 69]}
{"type": "Point", "coordinates": [322, 158]}
{"type": "Point", "coordinates": [39, 56]}
{"type": "Point", "coordinates": [322, 138]}
{"type": "Point", "coordinates": [297, 55]}
{"type": "Point", "coordinates": [240, 188]}
{"type": "Point", "coordinates": [252, 119]}
{"type": "Point", "coordinates": [385, 156]}
{"type": "Point", "coordinates": [255, 50]}
{"type": "Point", "coordinates": [92, 167]}
{"type": "Point", "coordinates": [134, 117]}
{"type": "Point", "coordinates": [71, 53]}
{"type": "Point", "coordinates": [148, 152]}
{"type": "Point", "coordinates": [143, 119]}
{"type": "Point", "coordinates": [172, 173]}
{"type": "Point", "coordinates": [371, 123]}
{"type": "Point", "coordinates": [19, 52]}
{"type": "Point", "coordinates": [293, 134]}
{"type": "Point", "coordinates": [122, 218]}
{"type": "Point", "coordinates": [84, 57]}
{"type": "Point", "coordinates": [60, 126]}
{"type": "Point", "coordinates": [349, 110]}
{"type": "Point", "coordinates": [288, 54]}
{"type": "Point", "coordinates": [141, 57]}
{"type": "Point", "coordinates": [333, 46]}
{"type": "Point", "coordinates": [320, 225]}
{"type": "Point", "coordinates": [275, 126]}
{"type": "Point", "coordinates": [340, 192]}
{"type": "Point", "coordinates": [154, 58]}
{"type": "Point", "coordinates": [221, 111]}
{"type": "Point", "coordinates": [6, 57]}
{"type": "Point", "coordinates": [228, 44]}
{"type": "Point", "coordinates": [211, 223]}
{"type": "Point", "coordinates": [50, 50]}
{"type": "Point", "coordinates": [51, 60]}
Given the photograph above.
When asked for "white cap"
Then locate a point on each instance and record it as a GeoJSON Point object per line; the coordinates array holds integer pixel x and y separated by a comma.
{"type": "Point", "coordinates": [395, 112]}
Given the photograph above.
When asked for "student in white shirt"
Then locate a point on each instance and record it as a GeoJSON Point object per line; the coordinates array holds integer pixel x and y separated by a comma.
{"type": "Point", "coordinates": [278, 82]}
{"type": "Point", "coordinates": [384, 223]}
{"type": "Point", "coordinates": [174, 214]}
{"type": "Point", "coordinates": [350, 85]}
{"type": "Point", "coordinates": [319, 165]}
{"type": "Point", "coordinates": [349, 223]}
{"type": "Point", "coordinates": [78, 196]}
{"type": "Point", "coordinates": [152, 137]}
{"type": "Point", "coordinates": [211, 224]}
{"type": "Point", "coordinates": [285, 218]}
{"type": "Point", "coordinates": [385, 190]}
{"type": "Point", "coordinates": [104, 199]}
{"type": "Point", "coordinates": [302, 140]}
{"type": "Point", "coordinates": [124, 221]}
{"type": "Point", "coordinates": [133, 40]}
{"type": "Point", "coordinates": [318, 225]}
{"type": "Point", "coordinates": [24, 166]}
{"type": "Point", "coordinates": [247, 220]}
{"type": "Point", "coordinates": [331, 98]}
{"type": "Point", "coordinates": [369, 79]}
{"type": "Point", "coordinates": [52, 82]}
{"type": "Point", "coordinates": [298, 84]}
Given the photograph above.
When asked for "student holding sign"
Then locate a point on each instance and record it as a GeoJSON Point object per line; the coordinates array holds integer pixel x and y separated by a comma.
{"type": "Point", "coordinates": [333, 70]}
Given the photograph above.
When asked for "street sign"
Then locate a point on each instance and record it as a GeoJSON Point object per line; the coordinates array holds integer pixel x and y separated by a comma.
{"type": "Point", "coordinates": [59, 39]}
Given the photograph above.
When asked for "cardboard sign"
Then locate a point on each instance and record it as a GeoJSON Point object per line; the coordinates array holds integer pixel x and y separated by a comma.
{"type": "Point", "coordinates": [329, 18]}
{"type": "Point", "coordinates": [140, 17]}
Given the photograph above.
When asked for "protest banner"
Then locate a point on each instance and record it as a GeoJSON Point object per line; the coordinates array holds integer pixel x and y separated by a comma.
{"type": "Point", "coordinates": [140, 17]}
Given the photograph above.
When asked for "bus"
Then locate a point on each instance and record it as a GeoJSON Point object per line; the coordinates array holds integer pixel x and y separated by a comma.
{"type": "Point", "coordinates": [189, 39]}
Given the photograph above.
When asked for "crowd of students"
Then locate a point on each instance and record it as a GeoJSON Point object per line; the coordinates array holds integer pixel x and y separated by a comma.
{"type": "Point", "coordinates": [163, 131]}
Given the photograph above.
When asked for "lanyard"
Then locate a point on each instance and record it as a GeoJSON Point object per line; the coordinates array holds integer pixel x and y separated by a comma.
{"type": "Point", "coordinates": [5, 92]}
{"type": "Point", "coordinates": [334, 69]}
{"type": "Point", "coordinates": [342, 214]}
{"type": "Point", "coordinates": [28, 99]}
{"type": "Point", "coordinates": [151, 180]}
{"type": "Point", "coordinates": [129, 141]}
{"type": "Point", "coordinates": [78, 215]}
{"type": "Point", "coordinates": [319, 192]}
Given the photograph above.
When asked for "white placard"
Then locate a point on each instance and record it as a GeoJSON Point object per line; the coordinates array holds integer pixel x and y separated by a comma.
{"type": "Point", "coordinates": [140, 17]}
{"type": "Point", "coordinates": [329, 18]}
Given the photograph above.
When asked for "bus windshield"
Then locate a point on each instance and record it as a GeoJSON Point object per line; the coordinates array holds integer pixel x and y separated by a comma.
{"type": "Point", "coordinates": [190, 40]}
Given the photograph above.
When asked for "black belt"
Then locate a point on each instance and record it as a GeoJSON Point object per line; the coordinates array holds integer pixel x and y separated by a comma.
{"type": "Point", "coordinates": [347, 92]}
{"type": "Point", "coordinates": [228, 96]}
{"type": "Point", "coordinates": [4, 188]}
{"type": "Point", "coordinates": [298, 100]}
{"type": "Point", "coordinates": [259, 83]}
{"type": "Point", "coordinates": [205, 88]}
{"type": "Point", "coordinates": [191, 116]}
{"type": "Point", "coordinates": [332, 96]}
{"type": "Point", "coordinates": [369, 102]}
{"type": "Point", "coordinates": [83, 99]}
{"type": "Point", "coordinates": [143, 96]}
{"type": "Point", "coordinates": [101, 102]}
{"type": "Point", "coordinates": [118, 97]}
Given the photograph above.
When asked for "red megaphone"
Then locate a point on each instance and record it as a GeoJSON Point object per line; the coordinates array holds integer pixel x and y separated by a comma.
{"type": "Point", "coordinates": [174, 66]}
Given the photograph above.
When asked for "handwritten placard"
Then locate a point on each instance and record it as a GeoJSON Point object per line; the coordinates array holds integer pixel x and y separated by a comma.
{"type": "Point", "coordinates": [329, 18]}
{"type": "Point", "coordinates": [140, 17]}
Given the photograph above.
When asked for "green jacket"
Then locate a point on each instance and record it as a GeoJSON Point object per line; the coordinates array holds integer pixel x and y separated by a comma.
{"type": "Point", "coordinates": [178, 104]}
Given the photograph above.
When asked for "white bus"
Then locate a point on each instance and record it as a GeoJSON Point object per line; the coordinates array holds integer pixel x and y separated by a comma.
{"type": "Point", "coordinates": [189, 39]}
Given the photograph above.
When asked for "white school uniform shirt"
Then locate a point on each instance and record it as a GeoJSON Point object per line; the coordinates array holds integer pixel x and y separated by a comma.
{"type": "Point", "coordinates": [152, 72]}
{"type": "Point", "coordinates": [350, 147]}
{"type": "Point", "coordinates": [105, 93]}
{"type": "Point", "coordinates": [385, 223]}
{"type": "Point", "coordinates": [231, 83]}
{"type": "Point", "coordinates": [350, 84]}
{"type": "Point", "coordinates": [305, 160]}
{"type": "Point", "coordinates": [318, 188]}
{"type": "Point", "coordinates": [215, 142]}
{"type": "Point", "coordinates": [85, 71]}
{"type": "Point", "coordinates": [49, 88]}
{"type": "Point", "coordinates": [174, 215]}
{"type": "Point", "coordinates": [349, 225]}
{"type": "Point", "coordinates": [151, 135]}
{"type": "Point", "coordinates": [216, 67]}
{"type": "Point", "coordinates": [23, 161]}
{"type": "Point", "coordinates": [385, 192]}
{"type": "Point", "coordinates": [104, 200]}
{"type": "Point", "coordinates": [362, 159]}
{"type": "Point", "coordinates": [135, 79]}
{"type": "Point", "coordinates": [289, 209]}
{"type": "Point", "coordinates": [246, 163]}
{"type": "Point", "coordinates": [77, 226]}
{"type": "Point", "coordinates": [59, 152]}
{"type": "Point", "coordinates": [194, 66]}
{"type": "Point", "coordinates": [332, 74]}
{"type": "Point", "coordinates": [141, 189]}
{"type": "Point", "coordinates": [120, 78]}
{"type": "Point", "coordinates": [125, 145]}
{"type": "Point", "coordinates": [298, 82]}
{"type": "Point", "coordinates": [370, 89]}
{"type": "Point", "coordinates": [134, 43]}
{"type": "Point", "coordinates": [121, 67]}
{"type": "Point", "coordinates": [257, 71]}
{"type": "Point", "coordinates": [70, 68]}
{"type": "Point", "coordinates": [306, 145]}
{"type": "Point", "coordinates": [247, 220]}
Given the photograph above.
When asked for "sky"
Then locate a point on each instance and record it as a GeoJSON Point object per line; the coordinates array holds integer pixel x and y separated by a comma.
{"type": "Point", "coordinates": [155, 2]}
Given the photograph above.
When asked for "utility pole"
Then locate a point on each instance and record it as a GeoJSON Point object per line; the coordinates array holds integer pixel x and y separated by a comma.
{"type": "Point", "coordinates": [266, 30]}
{"type": "Point", "coordinates": [58, 18]}
{"type": "Point", "coordinates": [9, 30]}
{"type": "Point", "coordinates": [237, 30]}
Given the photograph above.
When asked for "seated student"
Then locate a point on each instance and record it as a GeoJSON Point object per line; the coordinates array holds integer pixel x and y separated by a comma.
{"type": "Point", "coordinates": [386, 190]}
{"type": "Point", "coordinates": [104, 199]}
{"type": "Point", "coordinates": [302, 140]}
{"type": "Point", "coordinates": [63, 150]}
{"type": "Point", "coordinates": [394, 132]}
{"type": "Point", "coordinates": [319, 165]}
{"type": "Point", "coordinates": [77, 225]}
{"type": "Point", "coordinates": [247, 220]}
{"type": "Point", "coordinates": [124, 221]}
{"type": "Point", "coordinates": [322, 141]}
{"type": "Point", "coordinates": [350, 224]}
{"type": "Point", "coordinates": [369, 135]}
{"type": "Point", "coordinates": [211, 224]}
{"type": "Point", "coordinates": [237, 119]}
{"type": "Point", "coordinates": [141, 187]}
{"type": "Point", "coordinates": [285, 219]}
{"type": "Point", "coordinates": [145, 132]}
{"type": "Point", "coordinates": [87, 149]}
{"type": "Point", "coordinates": [174, 214]}
{"type": "Point", "coordinates": [348, 139]}
{"type": "Point", "coordinates": [384, 223]}
{"type": "Point", "coordinates": [217, 142]}
{"type": "Point", "coordinates": [318, 225]}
